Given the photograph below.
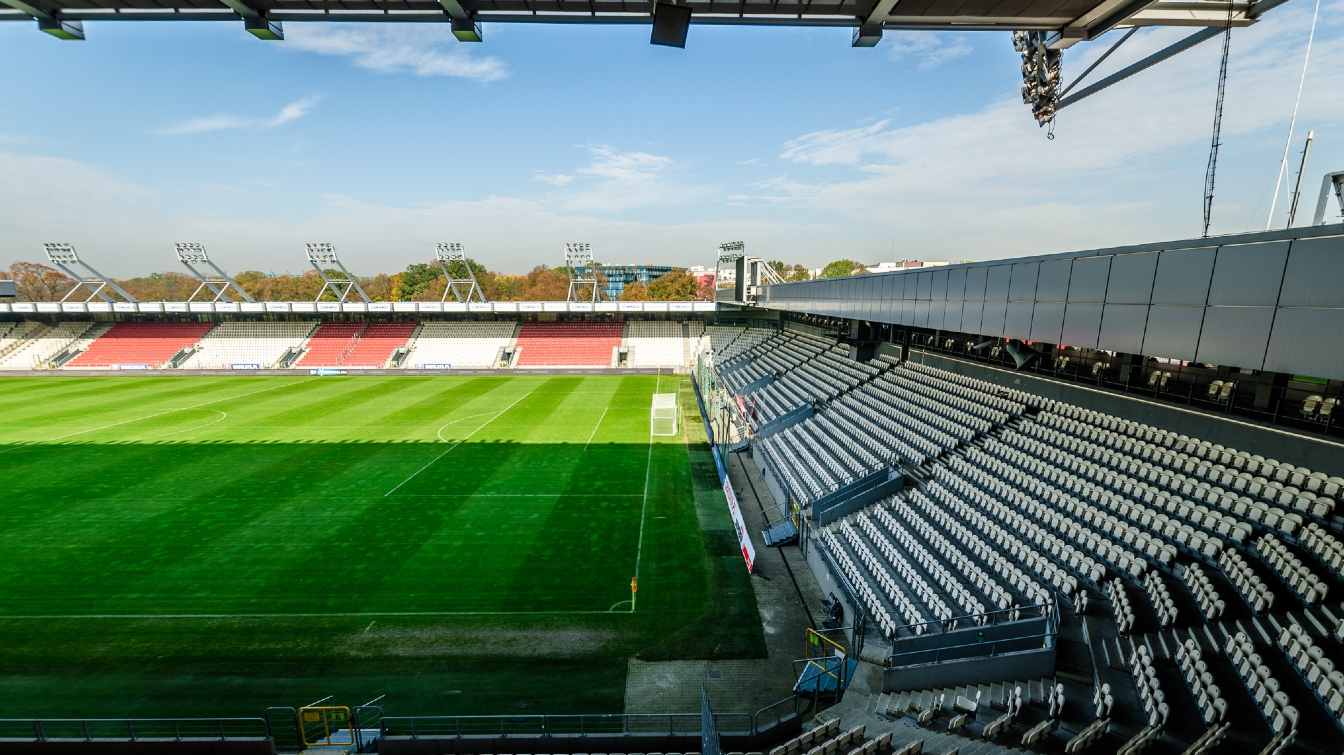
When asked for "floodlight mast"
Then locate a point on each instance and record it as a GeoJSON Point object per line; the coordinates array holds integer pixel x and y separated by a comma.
{"type": "Point", "coordinates": [322, 256]}
{"type": "Point", "coordinates": [465, 290]}
{"type": "Point", "coordinates": [192, 254]}
{"type": "Point", "coordinates": [63, 256]}
{"type": "Point", "coordinates": [582, 272]}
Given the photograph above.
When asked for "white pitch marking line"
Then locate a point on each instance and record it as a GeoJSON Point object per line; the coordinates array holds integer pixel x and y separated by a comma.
{"type": "Point", "coordinates": [594, 432]}
{"type": "Point", "coordinates": [222, 416]}
{"type": "Point", "coordinates": [648, 469]}
{"type": "Point", "coordinates": [439, 433]}
{"type": "Point", "coordinates": [449, 450]}
{"type": "Point", "coordinates": [298, 615]}
{"type": "Point", "coordinates": [170, 411]}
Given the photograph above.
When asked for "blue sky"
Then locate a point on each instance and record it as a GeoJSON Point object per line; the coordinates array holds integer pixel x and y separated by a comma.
{"type": "Point", "coordinates": [385, 139]}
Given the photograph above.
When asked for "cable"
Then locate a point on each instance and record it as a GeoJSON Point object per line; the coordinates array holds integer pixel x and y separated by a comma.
{"type": "Point", "coordinates": [1292, 123]}
{"type": "Point", "coordinates": [1211, 170]}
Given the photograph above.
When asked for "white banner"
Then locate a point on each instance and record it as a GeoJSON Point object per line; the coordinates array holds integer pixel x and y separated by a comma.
{"type": "Point", "coordinates": [743, 537]}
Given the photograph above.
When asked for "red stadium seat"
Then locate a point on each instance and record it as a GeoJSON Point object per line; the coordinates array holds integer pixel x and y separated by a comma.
{"type": "Point", "coordinates": [140, 344]}
{"type": "Point", "coordinates": [567, 344]}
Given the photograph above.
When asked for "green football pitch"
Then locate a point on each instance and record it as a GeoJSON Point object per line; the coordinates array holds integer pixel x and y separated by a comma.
{"type": "Point", "coordinates": [213, 546]}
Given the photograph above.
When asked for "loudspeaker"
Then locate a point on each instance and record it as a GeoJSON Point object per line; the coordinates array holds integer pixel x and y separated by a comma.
{"type": "Point", "coordinates": [670, 24]}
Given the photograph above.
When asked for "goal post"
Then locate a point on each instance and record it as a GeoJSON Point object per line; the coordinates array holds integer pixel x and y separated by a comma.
{"type": "Point", "coordinates": [663, 414]}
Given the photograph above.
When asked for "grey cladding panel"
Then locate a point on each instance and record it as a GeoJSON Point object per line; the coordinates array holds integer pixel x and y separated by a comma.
{"type": "Point", "coordinates": [1315, 276]}
{"type": "Point", "coordinates": [1018, 322]}
{"type": "Point", "coordinates": [922, 287]}
{"type": "Point", "coordinates": [1235, 335]}
{"type": "Point", "coordinates": [1248, 274]}
{"type": "Point", "coordinates": [1047, 321]}
{"type": "Point", "coordinates": [972, 315]}
{"type": "Point", "coordinates": [939, 285]}
{"type": "Point", "coordinates": [1088, 279]}
{"type": "Point", "coordinates": [936, 309]}
{"type": "Point", "coordinates": [956, 284]}
{"type": "Point", "coordinates": [992, 321]}
{"type": "Point", "coordinates": [1081, 323]}
{"type": "Point", "coordinates": [1183, 276]}
{"type": "Point", "coordinates": [1023, 285]}
{"type": "Point", "coordinates": [1052, 283]}
{"type": "Point", "coordinates": [976, 278]}
{"type": "Point", "coordinates": [996, 287]}
{"type": "Point", "coordinates": [921, 314]}
{"type": "Point", "coordinates": [952, 318]}
{"type": "Point", "coordinates": [1172, 331]}
{"type": "Point", "coordinates": [908, 281]}
{"type": "Point", "coordinates": [1131, 278]}
{"type": "Point", "coordinates": [1300, 343]}
{"type": "Point", "coordinates": [1122, 327]}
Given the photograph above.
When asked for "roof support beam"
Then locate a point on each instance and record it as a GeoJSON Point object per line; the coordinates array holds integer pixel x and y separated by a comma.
{"type": "Point", "coordinates": [465, 26]}
{"type": "Point", "coordinates": [1096, 22]}
{"type": "Point", "coordinates": [869, 32]}
{"type": "Point", "coordinates": [255, 21]}
{"type": "Point", "coordinates": [48, 22]}
{"type": "Point", "coordinates": [1170, 50]}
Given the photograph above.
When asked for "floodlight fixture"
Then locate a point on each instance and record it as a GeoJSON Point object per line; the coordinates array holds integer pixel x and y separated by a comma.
{"type": "Point", "coordinates": [65, 257]}
{"type": "Point", "coordinates": [322, 256]}
{"type": "Point", "coordinates": [192, 255]}
{"type": "Point", "coordinates": [582, 272]}
{"type": "Point", "coordinates": [463, 289]}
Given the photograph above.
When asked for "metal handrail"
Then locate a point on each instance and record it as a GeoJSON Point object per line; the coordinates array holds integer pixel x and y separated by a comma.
{"type": "Point", "coordinates": [656, 724]}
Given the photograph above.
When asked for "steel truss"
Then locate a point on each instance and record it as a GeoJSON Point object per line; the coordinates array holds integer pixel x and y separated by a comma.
{"type": "Point", "coordinates": [465, 290]}
{"type": "Point", "coordinates": [322, 256]}
{"type": "Point", "coordinates": [192, 254]}
{"type": "Point", "coordinates": [64, 256]}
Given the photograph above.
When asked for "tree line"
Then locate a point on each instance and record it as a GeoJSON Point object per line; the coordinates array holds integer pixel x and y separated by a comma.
{"type": "Point", "coordinates": [421, 281]}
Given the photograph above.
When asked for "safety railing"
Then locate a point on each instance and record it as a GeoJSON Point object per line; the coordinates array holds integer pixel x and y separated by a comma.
{"type": "Point", "coordinates": [618, 724]}
{"type": "Point", "coordinates": [132, 729]}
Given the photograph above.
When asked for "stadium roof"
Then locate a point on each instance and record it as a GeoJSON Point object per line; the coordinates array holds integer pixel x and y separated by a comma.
{"type": "Point", "coordinates": [1072, 20]}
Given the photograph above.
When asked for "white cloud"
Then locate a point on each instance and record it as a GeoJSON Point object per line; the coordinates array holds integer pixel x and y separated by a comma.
{"type": "Point", "coordinates": [224, 122]}
{"type": "Point", "coordinates": [422, 50]}
{"type": "Point", "coordinates": [927, 50]}
{"type": "Point", "coordinates": [554, 179]}
{"type": "Point", "coordinates": [624, 166]}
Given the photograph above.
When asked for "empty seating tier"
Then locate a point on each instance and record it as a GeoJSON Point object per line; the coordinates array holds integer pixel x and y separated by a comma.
{"type": "Point", "coordinates": [140, 344]}
{"type": "Point", "coordinates": [567, 344]}
{"type": "Point", "coordinates": [375, 344]}
{"type": "Point", "coordinates": [247, 345]}
{"type": "Point", "coordinates": [330, 344]}
{"type": "Point", "coordinates": [441, 345]}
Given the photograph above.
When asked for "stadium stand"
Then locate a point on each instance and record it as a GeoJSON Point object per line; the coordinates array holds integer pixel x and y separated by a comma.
{"type": "Point", "coordinates": [329, 344]}
{"type": "Point", "coordinates": [567, 344]}
{"type": "Point", "coordinates": [375, 344]}
{"type": "Point", "coordinates": [140, 344]}
{"type": "Point", "coordinates": [1207, 572]}
{"type": "Point", "coordinates": [36, 350]}
{"type": "Point", "coordinates": [460, 344]}
{"type": "Point", "coordinates": [655, 343]}
{"type": "Point", "coordinates": [259, 344]}
{"type": "Point", "coordinates": [14, 335]}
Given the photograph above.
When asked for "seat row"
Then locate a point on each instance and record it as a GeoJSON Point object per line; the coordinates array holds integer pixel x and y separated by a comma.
{"type": "Point", "coordinates": [1151, 697]}
{"type": "Point", "coordinates": [1121, 610]}
{"type": "Point", "coordinates": [1009, 400]}
{"type": "Point", "coordinates": [1272, 702]}
{"type": "Point", "coordinates": [1200, 682]}
{"type": "Point", "coordinates": [1197, 583]}
{"type": "Point", "coordinates": [1316, 669]}
{"type": "Point", "coordinates": [996, 557]}
{"type": "Point", "coordinates": [898, 515]}
{"type": "Point", "coordinates": [886, 625]}
{"type": "Point", "coordinates": [1297, 575]}
{"type": "Point", "coordinates": [1159, 598]}
{"type": "Point", "coordinates": [966, 601]}
{"type": "Point", "coordinates": [899, 580]}
{"type": "Point", "coordinates": [1253, 591]}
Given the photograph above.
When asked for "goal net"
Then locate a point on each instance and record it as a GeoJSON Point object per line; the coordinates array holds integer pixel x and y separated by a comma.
{"type": "Point", "coordinates": [663, 415]}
